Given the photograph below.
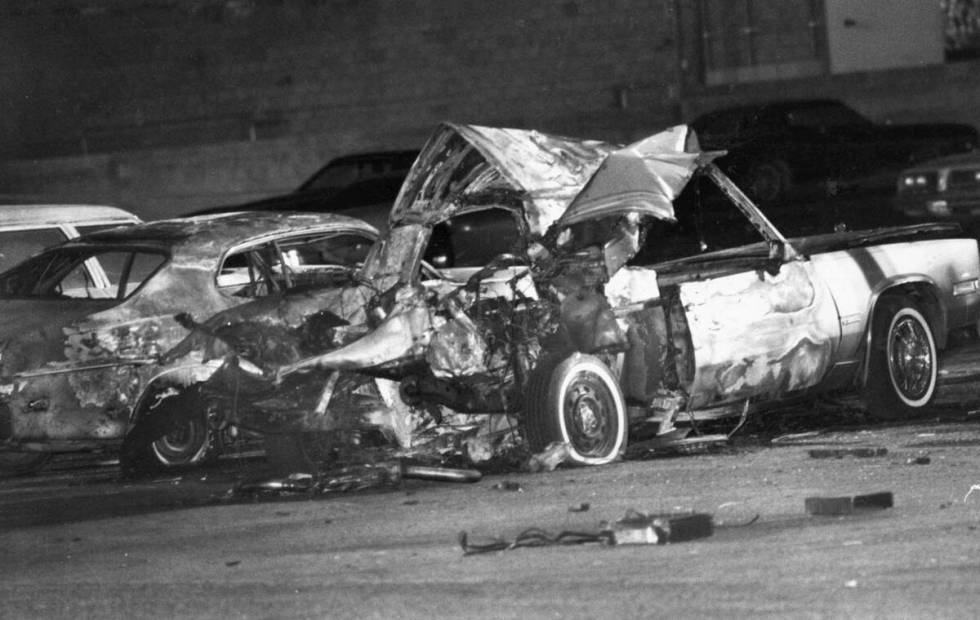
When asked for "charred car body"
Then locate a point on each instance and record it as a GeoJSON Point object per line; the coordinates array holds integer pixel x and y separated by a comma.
{"type": "Point", "coordinates": [572, 330]}
{"type": "Point", "coordinates": [80, 355]}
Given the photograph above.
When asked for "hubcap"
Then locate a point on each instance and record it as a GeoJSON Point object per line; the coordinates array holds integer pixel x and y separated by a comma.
{"type": "Point", "coordinates": [589, 409]}
{"type": "Point", "coordinates": [182, 443]}
{"type": "Point", "coordinates": [910, 358]}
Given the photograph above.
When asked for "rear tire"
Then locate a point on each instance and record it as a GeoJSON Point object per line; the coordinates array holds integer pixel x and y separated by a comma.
{"type": "Point", "coordinates": [576, 400]}
{"type": "Point", "coordinates": [174, 433]}
{"type": "Point", "coordinates": [903, 366]}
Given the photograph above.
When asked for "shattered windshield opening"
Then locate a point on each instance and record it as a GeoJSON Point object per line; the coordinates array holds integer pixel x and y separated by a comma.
{"type": "Point", "coordinates": [706, 222]}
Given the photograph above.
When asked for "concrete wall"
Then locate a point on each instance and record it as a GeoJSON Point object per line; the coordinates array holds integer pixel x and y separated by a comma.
{"type": "Point", "coordinates": [871, 35]}
{"type": "Point", "coordinates": [164, 106]}
{"type": "Point", "coordinates": [172, 105]}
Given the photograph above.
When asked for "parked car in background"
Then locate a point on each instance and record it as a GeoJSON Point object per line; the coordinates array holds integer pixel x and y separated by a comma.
{"type": "Point", "coordinates": [79, 347]}
{"type": "Point", "coordinates": [946, 188]}
{"type": "Point", "coordinates": [26, 229]}
{"type": "Point", "coordinates": [780, 146]}
{"type": "Point", "coordinates": [363, 185]}
{"type": "Point", "coordinates": [570, 333]}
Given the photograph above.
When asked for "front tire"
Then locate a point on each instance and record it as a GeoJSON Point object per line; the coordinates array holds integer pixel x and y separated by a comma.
{"type": "Point", "coordinates": [903, 368]}
{"type": "Point", "coordinates": [173, 432]}
{"type": "Point", "coordinates": [576, 400]}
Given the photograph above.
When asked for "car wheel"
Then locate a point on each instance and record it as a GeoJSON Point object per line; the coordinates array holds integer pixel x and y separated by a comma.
{"type": "Point", "coordinates": [172, 432]}
{"type": "Point", "coordinates": [299, 452]}
{"type": "Point", "coordinates": [22, 463]}
{"type": "Point", "coordinates": [189, 441]}
{"type": "Point", "coordinates": [768, 181]}
{"type": "Point", "coordinates": [576, 400]}
{"type": "Point", "coordinates": [903, 367]}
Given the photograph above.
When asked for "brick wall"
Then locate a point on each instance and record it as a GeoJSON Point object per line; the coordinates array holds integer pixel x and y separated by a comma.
{"type": "Point", "coordinates": [169, 105]}
{"type": "Point", "coordinates": [183, 104]}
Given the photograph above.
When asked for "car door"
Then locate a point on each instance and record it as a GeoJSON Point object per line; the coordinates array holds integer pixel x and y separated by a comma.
{"type": "Point", "coordinates": [757, 334]}
{"type": "Point", "coordinates": [748, 316]}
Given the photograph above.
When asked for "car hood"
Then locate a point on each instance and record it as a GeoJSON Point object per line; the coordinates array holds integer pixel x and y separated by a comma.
{"type": "Point", "coordinates": [554, 178]}
{"type": "Point", "coordinates": [645, 176]}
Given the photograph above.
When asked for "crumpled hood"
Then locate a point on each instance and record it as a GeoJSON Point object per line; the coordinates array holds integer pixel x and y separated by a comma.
{"type": "Point", "coordinates": [559, 181]}
{"type": "Point", "coordinates": [645, 177]}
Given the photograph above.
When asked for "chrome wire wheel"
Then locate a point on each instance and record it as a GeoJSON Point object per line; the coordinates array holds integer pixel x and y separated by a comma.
{"type": "Point", "coordinates": [903, 365]}
{"type": "Point", "coordinates": [911, 357]}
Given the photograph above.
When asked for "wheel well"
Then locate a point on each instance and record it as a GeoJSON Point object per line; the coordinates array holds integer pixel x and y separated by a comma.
{"type": "Point", "coordinates": [927, 299]}
{"type": "Point", "coordinates": [148, 399]}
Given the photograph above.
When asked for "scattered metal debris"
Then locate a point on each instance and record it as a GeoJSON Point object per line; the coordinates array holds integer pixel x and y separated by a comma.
{"type": "Point", "coordinates": [634, 528]}
{"type": "Point", "coordinates": [839, 453]}
{"type": "Point", "coordinates": [355, 478]}
{"type": "Point", "coordinates": [550, 458]}
{"type": "Point", "coordinates": [637, 528]}
{"type": "Point", "coordinates": [975, 487]}
{"type": "Point", "coordinates": [848, 505]}
{"type": "Point", "coordinates": [534, 537]}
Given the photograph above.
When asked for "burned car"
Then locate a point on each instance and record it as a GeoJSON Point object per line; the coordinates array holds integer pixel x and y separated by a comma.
{"type": "Point", "coordinates": [80, 355]}
{"type": "Point", "coordinates": [595, 317]}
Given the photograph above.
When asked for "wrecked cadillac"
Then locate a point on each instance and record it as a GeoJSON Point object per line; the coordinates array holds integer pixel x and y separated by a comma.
{"type": "Point", "coordinates": [574, 305]}
{"type": "Point", "coordinates": [80, 349]}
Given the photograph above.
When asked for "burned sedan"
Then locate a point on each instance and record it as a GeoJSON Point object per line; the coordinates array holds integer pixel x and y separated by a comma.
{"type": "Point", "coordinates": [597, 314]}
{"type": "Point", "coordinates": [80, 357]}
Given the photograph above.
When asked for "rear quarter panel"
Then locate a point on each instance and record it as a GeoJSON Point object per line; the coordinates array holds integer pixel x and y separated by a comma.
{"type": "Point", "coordinates": [857, 277]}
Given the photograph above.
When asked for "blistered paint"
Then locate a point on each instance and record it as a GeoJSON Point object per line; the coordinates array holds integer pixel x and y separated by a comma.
{"type": "Point", "coordinates": [758, 334]}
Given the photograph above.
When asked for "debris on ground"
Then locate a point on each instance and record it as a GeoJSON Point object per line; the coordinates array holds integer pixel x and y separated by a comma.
{"type": "Point", "coordinates": [634, 528]}
{"type": "Point", "coordinates": [355, 478]}
{"type": "Point", "coordinates": [534, 537]}
{"type": "Point", "coordinates": [848, 505]}
{"type": "Point", "coordinates": [508, 485]}
{"type": "Point", "coordinates": [839, 453]}
{"type": "Point", "coordinates": [674, 446]}
{"type": "Point", "coordinates": [550, 458]}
